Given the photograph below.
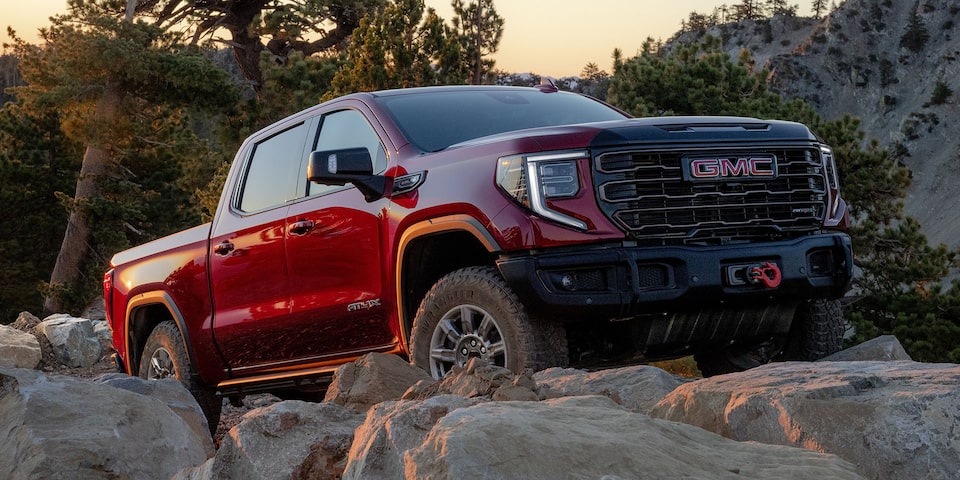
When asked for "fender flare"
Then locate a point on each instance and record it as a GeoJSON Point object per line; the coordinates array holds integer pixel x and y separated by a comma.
{"type": "Point", "coordinates": [448, 223]}
{"type": "Point", "coordinates": [155, 298]}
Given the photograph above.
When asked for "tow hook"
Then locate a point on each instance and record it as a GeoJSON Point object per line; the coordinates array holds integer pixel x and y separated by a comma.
{"type": "Point", "coordinates": [768, 274]}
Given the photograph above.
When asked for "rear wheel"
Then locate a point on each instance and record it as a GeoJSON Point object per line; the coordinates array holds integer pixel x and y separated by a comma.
{"type": "Point", "coordinates": [816, 331]}
{"type": "Point", "coordinates": [165, 356]}
{"type": "Point", "coordinates": [472, 313]}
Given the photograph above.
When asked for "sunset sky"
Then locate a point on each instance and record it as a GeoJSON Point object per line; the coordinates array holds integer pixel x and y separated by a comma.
{"type": "Point", "coordinates": [552, 37]}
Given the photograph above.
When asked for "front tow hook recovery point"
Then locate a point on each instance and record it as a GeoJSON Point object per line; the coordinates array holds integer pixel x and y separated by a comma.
{"type": "Point", "coordinates": [768, 274]}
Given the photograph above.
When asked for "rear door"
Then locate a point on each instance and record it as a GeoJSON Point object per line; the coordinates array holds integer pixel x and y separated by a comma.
{"type": "Point", "coordinates": [248, 268]}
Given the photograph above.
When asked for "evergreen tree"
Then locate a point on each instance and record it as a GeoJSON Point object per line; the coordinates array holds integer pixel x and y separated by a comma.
{"type": "Point", "coordinates": [405, 46]}
{"type": "Point", "coordinates": [279, 27]}
{"type": "Point", "coordinates": [36, 162]}
{"type": "Point", "coordinates": [916, 36]}
{"type": "Point", "coordinates": [819, 8]}
{"type": "Point", "coordinates": [120, 89]}
{"type": "Point", "coordinates": [479, 28]}
{"type": "Point", "coordinates": [899, 273]}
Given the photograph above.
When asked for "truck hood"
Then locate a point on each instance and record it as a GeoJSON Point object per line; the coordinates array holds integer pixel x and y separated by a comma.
{"type": "Point", "coordinates": [663, 131]}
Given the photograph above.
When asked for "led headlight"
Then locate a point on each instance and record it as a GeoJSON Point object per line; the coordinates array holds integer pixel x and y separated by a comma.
{"type": "Point", "coordinates": [534, 179]}
{"type": "Point", "coordinates": [833, 180]}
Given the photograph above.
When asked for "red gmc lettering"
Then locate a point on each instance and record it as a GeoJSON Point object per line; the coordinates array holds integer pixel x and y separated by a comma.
{"type": "Point", "coordinates": [732, 167]}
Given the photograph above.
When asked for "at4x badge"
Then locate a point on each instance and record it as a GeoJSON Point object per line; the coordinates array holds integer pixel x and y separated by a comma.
{"type": "Point", "coordinates": [768, 274]}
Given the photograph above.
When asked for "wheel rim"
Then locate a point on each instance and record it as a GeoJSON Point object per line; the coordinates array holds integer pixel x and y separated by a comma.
{"type": "Point", "coordinates": [465, 332]}
{"type": "Point", "coordinates": [161, 365]}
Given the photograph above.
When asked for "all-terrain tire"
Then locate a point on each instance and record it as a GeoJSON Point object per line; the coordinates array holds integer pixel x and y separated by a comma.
{"type": "Point", "coordinates": [472, 312]}
{"type": "Point", "coordinates": [165, 356]}
{"type": "Point", "coordinates": [816, 331]}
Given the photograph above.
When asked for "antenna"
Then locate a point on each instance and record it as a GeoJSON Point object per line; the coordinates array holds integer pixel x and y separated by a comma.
{"type": "Point", "coordinates": [548, 85]}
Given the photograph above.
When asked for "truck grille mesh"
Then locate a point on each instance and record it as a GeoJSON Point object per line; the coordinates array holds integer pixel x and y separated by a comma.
{"type": "Point", "coordinates": [645, 194]}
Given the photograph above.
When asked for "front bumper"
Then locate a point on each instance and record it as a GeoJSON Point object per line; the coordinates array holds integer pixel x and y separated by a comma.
{"type": "Point", "coordinates": [623, 280]}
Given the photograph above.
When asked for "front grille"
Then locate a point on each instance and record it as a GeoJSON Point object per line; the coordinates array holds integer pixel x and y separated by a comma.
{"type": "Point", "coordinates": [645, 194]}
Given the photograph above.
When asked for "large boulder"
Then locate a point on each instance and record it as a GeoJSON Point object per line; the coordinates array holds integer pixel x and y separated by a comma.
{"type": "Point", "coordinates": [890, 419]}
{"type": "Point", "coordinates": [60, 427]}
{"type": "Point", "coordinates": [287, 440]}
{"type": "Point", "coordinates": [390, 429]}
{"type": "Point", "coordinates": [373, 378]}
{"type": "Point", "coordinates": [173, 394]}
{"type": "Point", "coordinates": [18, 349]}
{"type": "Point", "coordinates": [74, 340]}
{"type": "Point", "coordinates": [637, 388]}
{"type": "Point", "coordinates": [573, 437]}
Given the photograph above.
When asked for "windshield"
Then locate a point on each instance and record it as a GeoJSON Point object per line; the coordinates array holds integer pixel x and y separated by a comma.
{"type": "Point", "coordinates": [434, 120]}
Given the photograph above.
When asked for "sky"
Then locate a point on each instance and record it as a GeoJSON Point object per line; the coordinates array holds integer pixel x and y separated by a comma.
{"type": "Point", "coordinates": [547, 37]}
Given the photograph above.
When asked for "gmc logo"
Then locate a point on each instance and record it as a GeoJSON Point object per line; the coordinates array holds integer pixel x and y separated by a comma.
{"type": "Point", "coordinates": [722, 168]}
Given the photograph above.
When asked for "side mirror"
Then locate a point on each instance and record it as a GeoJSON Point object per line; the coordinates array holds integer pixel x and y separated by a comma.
{"type": "Point", "coordinates": [347, 165]}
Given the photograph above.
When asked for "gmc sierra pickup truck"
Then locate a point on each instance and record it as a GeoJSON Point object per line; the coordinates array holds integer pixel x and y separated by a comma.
{"type": "Point", "coordinates": [525, 226]}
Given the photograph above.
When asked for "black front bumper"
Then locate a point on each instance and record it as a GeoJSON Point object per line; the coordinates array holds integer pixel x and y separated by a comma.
{"type": "Point", "coordinates": [621, 280]}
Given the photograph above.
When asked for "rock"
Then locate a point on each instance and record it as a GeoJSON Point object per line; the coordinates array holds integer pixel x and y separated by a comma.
{"type": "Point", "coordinates": [373, 378]}
{"type": "Point", "coordinates": [890, 419]}
{"type": "Point", "coordinates": [18, 349]}
{"type": "Point", "coordinates": [637, 388]}
{"type": "Point", "coordinates": [287, 440]}
{"type": "Point", "coordinates": [172, 393]}
{"type": "Point", "coordinates": [574, 437]}
{"type": "Point", "coordinates": [25, 322]}
{"type": "Point", "coordinates": [390, 429]}
{"type": "Point", "coordinates": [73, 339]}
{"type": "Point", "coordinates": [60, 427]}
{"type": "Point", "coordinates": [101, 329]}
{"type": "Point", "coordinates": [478, 378]}
{"type": "Point", "coordinates": [884, 348]}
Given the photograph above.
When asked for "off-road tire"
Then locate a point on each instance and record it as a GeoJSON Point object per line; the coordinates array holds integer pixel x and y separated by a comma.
{"type": "Point", "coordinates": [816, 331]}
{"type": "Point", "coordinates": [165, 345]}
{"type": "Point", "coordinates": [528, 342]}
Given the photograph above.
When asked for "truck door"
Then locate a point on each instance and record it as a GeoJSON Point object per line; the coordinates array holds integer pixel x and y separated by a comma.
{"type": "Point", "coordinates": [333, 255]}
{"type": "Point", "coordinates": [248, 268]}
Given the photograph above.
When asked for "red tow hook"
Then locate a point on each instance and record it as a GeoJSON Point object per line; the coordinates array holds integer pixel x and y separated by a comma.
{"type": "Point", "coordinates": [768, 273]}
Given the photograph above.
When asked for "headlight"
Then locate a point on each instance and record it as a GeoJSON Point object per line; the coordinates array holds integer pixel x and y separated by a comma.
{"type": "Point", "coordinates": [534, 179]}
{"type": "Point", "coordinates": [833, 180]}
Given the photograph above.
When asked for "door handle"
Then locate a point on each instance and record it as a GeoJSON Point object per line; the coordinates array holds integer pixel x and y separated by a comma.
{"type": "Point", "coordinates": [223, 248]}
{"type": "Point", "coordinates": [300, 228]}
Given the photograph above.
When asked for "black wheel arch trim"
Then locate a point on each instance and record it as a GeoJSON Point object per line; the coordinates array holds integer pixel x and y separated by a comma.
{"type": "Point", "coordinates": [448, 223]}
{"type": "Point", "coordinates": [148, 299]}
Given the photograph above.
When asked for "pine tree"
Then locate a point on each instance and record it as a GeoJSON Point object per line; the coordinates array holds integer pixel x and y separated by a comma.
{"type": "Point", "coordinates": [109, 78]}
{"type": "Point", "coordinates": [916, 36]}
{"type": "Point", "coordinates": [480, 29]}
{"type": "Point", "coordinates": [819, 8]}
{"type": "Point", "coordinates": [276, 27]}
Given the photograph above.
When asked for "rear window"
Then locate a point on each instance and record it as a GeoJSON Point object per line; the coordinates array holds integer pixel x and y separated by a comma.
{"type": "Point", "coordinates": [434, 120]}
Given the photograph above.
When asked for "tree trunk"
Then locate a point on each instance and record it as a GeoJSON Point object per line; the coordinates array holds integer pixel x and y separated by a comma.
{"type": "Point", "coordinates": [75, 249]}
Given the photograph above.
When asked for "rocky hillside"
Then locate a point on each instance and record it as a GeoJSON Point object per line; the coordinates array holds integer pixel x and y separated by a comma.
{"type": "Point", "coordinates": [855, 62]}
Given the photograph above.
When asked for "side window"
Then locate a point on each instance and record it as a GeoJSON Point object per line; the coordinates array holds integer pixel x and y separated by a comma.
{"type": "Point", "coordinates": [348, 129]}
{"type": "Point", "coordinates": [273, 173]}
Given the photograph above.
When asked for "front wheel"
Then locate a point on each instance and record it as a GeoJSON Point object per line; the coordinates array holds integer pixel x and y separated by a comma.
{"type": "Point", "coordinates": [165, 356]}
{"type": "Point", "coordinates": [472, 313]}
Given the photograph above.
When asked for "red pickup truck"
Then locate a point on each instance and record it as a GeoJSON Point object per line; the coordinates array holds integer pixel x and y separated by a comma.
{"type": "Point", "coordinates": [526, 226]}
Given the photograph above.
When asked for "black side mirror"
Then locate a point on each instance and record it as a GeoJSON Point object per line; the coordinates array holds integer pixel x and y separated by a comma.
{"type": "Point", "coordinates": [347, 165]}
